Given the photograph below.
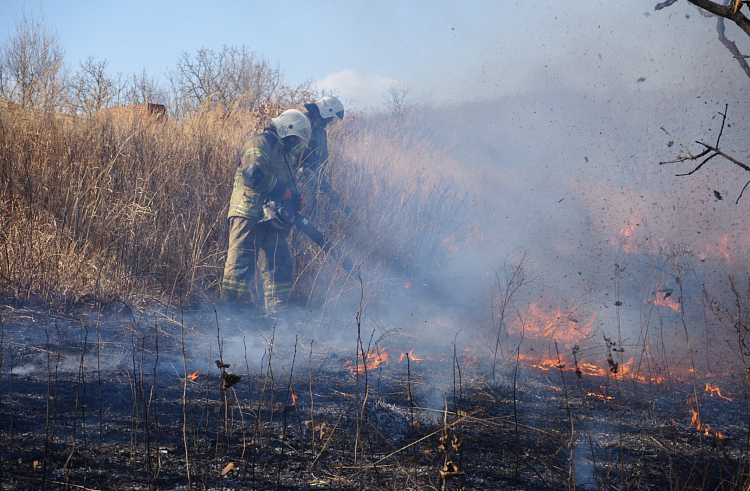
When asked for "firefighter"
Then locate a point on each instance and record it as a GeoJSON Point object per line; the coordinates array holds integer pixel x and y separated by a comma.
{"type": "Point", "coordinates": [315, 158]}
{"type": "Point", "coordinates": [264, 187]}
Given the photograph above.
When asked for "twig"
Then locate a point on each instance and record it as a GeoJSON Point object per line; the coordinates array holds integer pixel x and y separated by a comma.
{"type": "Point", "coordinates": [710, 150]}
{"type": "Point", "coordinates": [184, 396]}
{"type": "Point", "coordinates": [449, 425]}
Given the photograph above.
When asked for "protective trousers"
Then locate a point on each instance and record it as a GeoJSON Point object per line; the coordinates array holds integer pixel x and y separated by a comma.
{"type": "Point", "coordinates": [251, 243]}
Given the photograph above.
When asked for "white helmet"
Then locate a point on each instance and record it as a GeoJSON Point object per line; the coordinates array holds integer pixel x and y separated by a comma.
{"type": "Point", "coordinates": [329, 107]}
{"type": "Point", "coordinates": [293, 123]}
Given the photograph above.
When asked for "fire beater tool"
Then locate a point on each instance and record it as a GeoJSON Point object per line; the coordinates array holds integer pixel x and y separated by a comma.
{"type": "Point", "coordinates": [281, 215]}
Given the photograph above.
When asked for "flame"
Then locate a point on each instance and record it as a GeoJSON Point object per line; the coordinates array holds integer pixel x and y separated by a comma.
{"type": "Point", "coordinates": [696, 421]}
{"type": "Point", "coordinates": [599, 396]}
{"type": "Point", "coordinates": [471, 238]}
{"type": "Point", "coordinates": [710, 388]}
{"type": "Point", "coordinates": [369, 361]}
{"type": "Point", "coordinates": [626, 236]}
{"type": "Point", "coordinates": [470, 357]}
{"type": "Point", "coordinates": [590, 369]}
{"type": "Point", "coordinates": [194, 376]}
{"type": "Point", "coordinates": [705, 429]}
{"type": "Point", "coordinates": [546, 364]}
{"type": "Point", "coordinates": [409, 356]}
{"type": "Point", "coordinates": [540, 321]}
{"type": "Point", "coordinates": [667, 302]}
{"type": "Point", "coordinates": [294, 400]}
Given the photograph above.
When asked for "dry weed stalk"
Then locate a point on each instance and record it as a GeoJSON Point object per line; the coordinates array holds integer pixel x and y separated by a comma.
{"type": "Point", "coordinates": [572, 482]}
{"type": "Point", "coordinates": [735, 318]}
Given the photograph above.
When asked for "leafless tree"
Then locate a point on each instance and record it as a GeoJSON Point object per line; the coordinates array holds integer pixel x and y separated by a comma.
{"type": "Point", "coordinates": [395, 98]}
{"type": "Point", "coordinates": [143, 88]}
{"type": "Point", "coordinates": [92, 88]}
{"type": "Point", "coordinates": [731, 10]}
{"type": "Point", "coordinates": [233, 78]}
{"type": "Point", "coordinates": [32, 65]}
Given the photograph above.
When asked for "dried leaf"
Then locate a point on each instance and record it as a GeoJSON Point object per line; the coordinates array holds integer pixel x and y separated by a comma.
{"type": "Point", "coordinates": [456, 443]}
{"type": "Point", "coordinates": [229, 379]}
{"type": "Point", "coordinates": [227, 469]}
{"type": "Point", "coordinates": [450, 470]}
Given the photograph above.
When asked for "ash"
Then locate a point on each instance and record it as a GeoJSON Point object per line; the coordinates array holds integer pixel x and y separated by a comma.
{"type": "Point", "coordinates": [127, 402]}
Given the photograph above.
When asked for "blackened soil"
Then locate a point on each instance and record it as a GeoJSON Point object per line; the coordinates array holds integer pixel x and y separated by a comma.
{"type": "Point", "coordinates": [104, 403]}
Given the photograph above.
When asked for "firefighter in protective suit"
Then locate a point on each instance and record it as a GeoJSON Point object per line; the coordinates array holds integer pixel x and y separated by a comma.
{"type": "Point", "coordinates": [263, 181]}
{"type": "Point", "coordinates": [313, 162]}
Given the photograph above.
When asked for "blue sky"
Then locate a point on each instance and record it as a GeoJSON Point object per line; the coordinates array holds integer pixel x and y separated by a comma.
{"type": "Point", "coordinates": [447, 50]}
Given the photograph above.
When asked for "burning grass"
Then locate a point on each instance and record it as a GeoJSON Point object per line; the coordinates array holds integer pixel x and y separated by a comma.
{"type": "Point", "coordinates": [113, 402]}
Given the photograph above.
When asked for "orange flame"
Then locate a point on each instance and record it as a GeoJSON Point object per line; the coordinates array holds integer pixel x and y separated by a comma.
{"type": "Point", "coordinates": [409, 356]}
{"type": "Point", "coordinates": [665, 301]}
{"type": "Point", "coordinates": [546, 319]}
{"type": "Point", "coordinates": [712, 389]}
{"type": "Point", "coordinates": [696, 421]}
{"type": "Point", "coordinates": [294, 400]}
{"type": "Point", "coordinates": [194, 376]}
{"type": "Point", "coordinates": [599, 396]}
{"type": "Point", "coordinates": [369, 361]}
{"type": "Point", "coordinates": [470, 357]}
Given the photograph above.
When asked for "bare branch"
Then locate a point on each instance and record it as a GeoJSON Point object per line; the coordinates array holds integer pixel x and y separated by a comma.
{"type": "Point", "coordinates": [731, 46]}
{"type": "Point", "coordinates": [723, 122]}
{"type": "Point", "coordinates": [728, 12]}
{"type": "Point", "coordinates": [664, 4]}
{"type": "Point", "coordinates": [713, 150]}
{"type": "Point", "coordinates": [718, 152]}
{"type": "Point", "coordinates": [743, 190]}
{"type": "Point", "coordinates": [32, 61]}
{"type": "Point", "coordinates": [699, 166]}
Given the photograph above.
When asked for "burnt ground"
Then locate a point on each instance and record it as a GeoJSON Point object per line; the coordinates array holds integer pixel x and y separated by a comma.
{"type": "Point", "coordinates": [100, 401]}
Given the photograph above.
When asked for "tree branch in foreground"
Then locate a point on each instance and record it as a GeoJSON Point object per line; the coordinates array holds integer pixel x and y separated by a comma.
{"type": "Point", "coordinates": [731, 11]}
{"type": "Point", "coordinates": [710, 152]}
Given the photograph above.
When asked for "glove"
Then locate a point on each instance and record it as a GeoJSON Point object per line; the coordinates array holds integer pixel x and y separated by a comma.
{"type": "Point", "coordinates": [298, 201]}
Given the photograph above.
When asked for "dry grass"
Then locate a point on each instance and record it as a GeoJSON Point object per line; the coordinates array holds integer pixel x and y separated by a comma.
{"type": "Point", "coordinates": [100, 209]}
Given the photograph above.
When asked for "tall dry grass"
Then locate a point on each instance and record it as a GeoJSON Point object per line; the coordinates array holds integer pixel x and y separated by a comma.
{"type": "Point", "coordinates": [94, 208]}
{"type": "Point", "coordinates": [406, 202]}
{"type": "Point", "coordinates": [111, 208]}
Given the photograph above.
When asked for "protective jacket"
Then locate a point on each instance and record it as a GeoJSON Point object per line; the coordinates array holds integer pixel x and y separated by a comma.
{"type": "Point", "coordinates": [265, 172]}
{"type": "Point", "coordinates": [312, 165]}
{"type": "Point", "coordinates": [317, 153]}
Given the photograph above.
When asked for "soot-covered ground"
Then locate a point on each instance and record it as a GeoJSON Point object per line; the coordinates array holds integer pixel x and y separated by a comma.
{"type": "Point", "coordinates": [101, 400]}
